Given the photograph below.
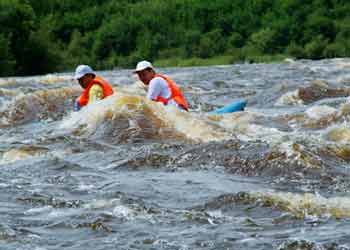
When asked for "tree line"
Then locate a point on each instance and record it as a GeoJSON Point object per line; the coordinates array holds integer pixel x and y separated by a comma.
{"type": "Point", "coordinates": [41, 36]}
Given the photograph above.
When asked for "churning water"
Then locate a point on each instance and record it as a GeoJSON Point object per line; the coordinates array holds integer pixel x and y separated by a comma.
{"type": "Point", "coordinates": [128, 173]}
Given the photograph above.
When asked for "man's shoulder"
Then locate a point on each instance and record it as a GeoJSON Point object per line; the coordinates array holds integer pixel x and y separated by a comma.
{"type": "Point", "coordinates": [96, 87]}
{"type": "Point", "coordinates": [158, 80]}
{"type": "Point", "coordinates": [99, 79]}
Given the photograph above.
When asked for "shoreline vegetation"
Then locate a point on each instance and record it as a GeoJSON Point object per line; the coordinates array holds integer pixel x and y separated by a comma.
{"type": "Point", "coordinates": [40, 36]}
{"type": "Point", "coordinates": [217, 60]}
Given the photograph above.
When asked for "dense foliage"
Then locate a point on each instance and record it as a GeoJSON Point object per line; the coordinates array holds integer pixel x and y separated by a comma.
{"type": "Point", "coordinates": [40, 36]}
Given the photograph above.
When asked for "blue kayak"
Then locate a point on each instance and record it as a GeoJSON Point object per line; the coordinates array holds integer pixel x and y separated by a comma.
{"type": "Point", "coordinates": [230, 108]}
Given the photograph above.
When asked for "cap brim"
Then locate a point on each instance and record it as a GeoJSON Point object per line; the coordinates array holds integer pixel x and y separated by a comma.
{"type": "Point", "coordinates": [139, 70]}
{"type": "Point", "coordinates": [77, 77]}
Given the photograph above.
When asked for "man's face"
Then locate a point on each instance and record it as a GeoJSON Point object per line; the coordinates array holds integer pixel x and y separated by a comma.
{"type": "Point", "coordinates": [84, 80]}
{"type": "Point", "coordinates": [145, 75]}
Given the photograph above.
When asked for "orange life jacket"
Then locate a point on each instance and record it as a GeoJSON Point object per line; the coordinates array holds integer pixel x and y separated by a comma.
{"type": "Point", "coordinates": [107, 90]}
{"type": "Point", "coordinates": [175, 94]}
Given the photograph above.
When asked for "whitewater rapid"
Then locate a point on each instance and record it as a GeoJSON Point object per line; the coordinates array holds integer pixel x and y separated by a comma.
{"type": "Point", "coordinates": [130, 173]}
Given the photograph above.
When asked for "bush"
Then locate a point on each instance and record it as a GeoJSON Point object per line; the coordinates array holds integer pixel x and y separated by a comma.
{"type": "Point", "coordinates": [334, 50]}
{"type": "Point", "coordinates": [171, 53]}
{"type": "Point", "coordinates": [315, 48]}
{"type": "Point", "coordinates": [343, 28]}
{"type": "Point", "coordinates": [211, 43]}
{"type": "Point", "coordinates": [250, 53]}
{"type": "Point", "coordinates": [7, 62]}
{"type": "Point", "coordinates": [295, 51]}
{"type": "Point", "coordinates": [235, 40]}
{"type": "Point", "coordinates": [130, 61]}
{"type": "Point", "coordinates": [191, 41]}
{"type": "Point", "coordinates": [115, 36]}
{"type": "Point", "coordinates": [148, 45]}
{"type": "Point", "coordinates": [77, 52]}
{"type": "Point", "coordinates": [317, 24]}
{"type": "Point", "coordinates": [264, 40]}
{"type": "Point", "coordinates": [41, 54]}
{"type": "Point", "coordinates": [205, 49]}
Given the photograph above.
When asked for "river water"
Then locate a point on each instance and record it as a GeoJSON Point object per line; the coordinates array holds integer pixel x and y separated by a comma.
{"type": "Point", "coordinates": [128, 173]}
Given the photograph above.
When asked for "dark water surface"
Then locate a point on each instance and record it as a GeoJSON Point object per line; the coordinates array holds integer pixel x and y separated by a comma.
{"type": "Point", "coordinates": [128, 173]}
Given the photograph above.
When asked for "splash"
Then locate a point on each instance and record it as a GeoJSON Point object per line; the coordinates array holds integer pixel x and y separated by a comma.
{"type": "Point", "coordinates": [315, 117]}
{"type": "Point", "coordinates": [246, 127]}
{"type": "Point", "coordinates": [22, 153]}
{"type": "Point", "coordinates": [290, 98]}
{"type": "Point", "coordinates": [338, 141]}
{"type": "Point", "coordinates": [134, 112]}
{"type": "Point", "coordinates": [7, 92]}
{"type": "Point", "coordinates": [7, 82]}
{"type": "Point", "coordinates": [320, 112]}
{"type": "Point", "coordinates": [304, 205]}
{"type": "Point", "coordinates": [340, 134]}
{"type": "Point", "coordinates": [341, 151]}
{"type": "Point", "coordinates": [300, 155]}
{"type": "Point", "coordinates": [54, 78]}
{"type": "Point", "coordinates": [42, 104]}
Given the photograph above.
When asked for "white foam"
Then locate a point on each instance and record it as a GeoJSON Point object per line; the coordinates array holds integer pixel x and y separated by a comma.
{"type": "Point", "coordinates": [97, 204]}
{"type": "Point", "coordinates": [307, 204]}
{"type": "Point", "coordinates": [39, 210]}
{"type": "Point", "coordinates": [319, 112]}
{"type": "Point", "coordinates": [290, 98]}
{"type": "Point", "coordinates": [123, 212]}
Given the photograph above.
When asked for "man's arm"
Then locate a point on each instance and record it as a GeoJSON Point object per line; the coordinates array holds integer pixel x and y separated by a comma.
{"type": "Point", "coordinates": [95, 93]}
{"type": "Point", "coordinates": [155, 88]}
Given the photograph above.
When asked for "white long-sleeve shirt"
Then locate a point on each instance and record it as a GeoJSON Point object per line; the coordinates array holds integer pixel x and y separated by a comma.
{"type": "Point", "coordinates": [159, 87]}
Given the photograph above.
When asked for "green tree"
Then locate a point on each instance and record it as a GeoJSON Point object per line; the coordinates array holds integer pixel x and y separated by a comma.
{"type": "Point", "coordinates": [77, 52]}
{"type": "Point", "coordinates": [295, 50]}
{"type": "Point", "coordinates": [317, 24]}
{"type": "Point", "coordinates": [42, 55]}
{"type": "Point", "coordinates": [148, 44]}
{"type": "Point", "coordinates": [211, 43]}
{"type": "Point", "coordinates": [335, 49]}
{"type": "Point", "coordinates": [264, 40]}
{"type": "Point", "coordinates": [39, 36]}
{"type": "Point", "coordinates": [116, 36]}
{"type": "Point", "coordinates": [190, 42]}
{"type": "Point", "coordinates": [315, 48]}
{"type": "Point", "coordinates": [7, 62]}
{"type": "Point", "coordinates": [235, 40]}
{"type": "Point", "coordinates": [17, 20]}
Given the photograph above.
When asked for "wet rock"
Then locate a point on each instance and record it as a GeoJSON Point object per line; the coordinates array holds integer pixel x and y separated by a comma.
{"type": "Point", "coordinates": [6, 233]}
{"type": "Point", "coordinates": [42, 200]}
{"type": "Point", "coordinates": [320, 90]}
{"type": "Point", "coordinates": [299, 245]}
{"type": "Point", "coordinates": [308, 245]}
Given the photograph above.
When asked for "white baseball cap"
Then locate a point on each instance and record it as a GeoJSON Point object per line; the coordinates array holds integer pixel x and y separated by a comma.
{"type": "Point", "coordinates": [82, 70]}
{"type": "Point", "coordinates": [143, 65]}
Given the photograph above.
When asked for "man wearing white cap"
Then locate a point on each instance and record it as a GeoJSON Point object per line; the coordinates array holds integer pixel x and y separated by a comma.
{"type": "Point", "coordinates": [160, 88]}
{"type": "Point", "coordinates": [95, 88]}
